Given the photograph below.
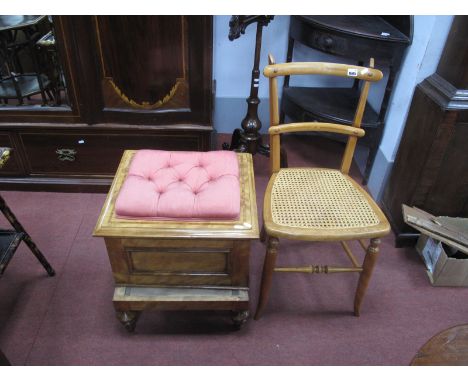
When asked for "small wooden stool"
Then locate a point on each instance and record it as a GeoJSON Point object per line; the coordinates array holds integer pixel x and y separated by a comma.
{"type": "Point", "coordinates": [180, 265]}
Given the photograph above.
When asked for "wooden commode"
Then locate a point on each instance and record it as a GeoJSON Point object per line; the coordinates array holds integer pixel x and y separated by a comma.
{"type": "Point", "coordinates": [180, 265]}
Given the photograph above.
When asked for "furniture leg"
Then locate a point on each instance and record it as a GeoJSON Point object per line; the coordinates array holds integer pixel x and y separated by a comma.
{"type": "Point", "coordinates": [240, 318]}
{"type": "Point", "coordinates": [267, 275]}
{"type": "Point", "coordinates": [26, 238]}
{"type": "Point", "coordinates": [39, 256]}
{"type": "Point", "coordinates": [364, 278]}
{"type": "Point", "coordinates": [128, 319]}
{"type": "Point", "coordinates": [235, 141]}
{"type": "Point", "coordinates": [49, 94]}
{"type": "Point", "coordinates": [37, 69]}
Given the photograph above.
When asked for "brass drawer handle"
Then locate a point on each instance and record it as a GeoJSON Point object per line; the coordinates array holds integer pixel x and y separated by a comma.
{"type": "Point", "coordinates": [66, 154]}
{"type": "Point", "coordinates": [4, 155]}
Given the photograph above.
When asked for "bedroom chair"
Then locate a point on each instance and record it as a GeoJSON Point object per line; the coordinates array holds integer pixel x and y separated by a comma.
{"type": "Point", "coordinates": [319, 204]}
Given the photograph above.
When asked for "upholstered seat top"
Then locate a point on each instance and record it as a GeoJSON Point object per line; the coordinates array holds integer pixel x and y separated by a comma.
{"type": "Point", "coordinates": [181, 185]}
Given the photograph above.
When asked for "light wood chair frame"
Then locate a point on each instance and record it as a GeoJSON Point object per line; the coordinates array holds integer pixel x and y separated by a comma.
{"type": "Point", "coordinates": [271, 232]}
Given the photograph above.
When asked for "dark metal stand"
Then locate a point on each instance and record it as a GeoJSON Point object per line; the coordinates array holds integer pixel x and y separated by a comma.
{"type": "Point", "coordinates": [20, 234]}
{"type": "Point", "coordinates": [249, 139]}
{"type": "Point", "coordinates": [11, 239]}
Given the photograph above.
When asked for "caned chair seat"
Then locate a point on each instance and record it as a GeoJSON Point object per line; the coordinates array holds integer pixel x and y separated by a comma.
{"type": "Point", "coordinates": [318, 204]}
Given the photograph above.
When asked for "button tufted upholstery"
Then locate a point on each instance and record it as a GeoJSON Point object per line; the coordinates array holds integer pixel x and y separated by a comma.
{"type": "Point", "coordinates": [181, 185]}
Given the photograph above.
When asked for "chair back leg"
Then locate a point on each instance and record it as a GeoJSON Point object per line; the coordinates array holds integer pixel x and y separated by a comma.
{"type": "Point", "coordinates": [267, 275]}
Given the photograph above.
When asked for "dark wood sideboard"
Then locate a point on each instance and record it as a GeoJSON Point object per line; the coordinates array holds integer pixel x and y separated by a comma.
{"type": "Point", "coordinates": [431, 165]}
{"type": "Point", "coordinates": [133, 82]}
{"type": "Point", "coordinates": [385, 38]}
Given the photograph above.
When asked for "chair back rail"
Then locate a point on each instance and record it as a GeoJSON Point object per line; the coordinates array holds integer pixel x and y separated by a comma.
{"type": "Point", "coordinates": [273, 70]}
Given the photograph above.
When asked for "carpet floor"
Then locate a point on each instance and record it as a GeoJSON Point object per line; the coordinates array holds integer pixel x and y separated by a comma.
{"type": "Point", "coordinates": [69, 319]}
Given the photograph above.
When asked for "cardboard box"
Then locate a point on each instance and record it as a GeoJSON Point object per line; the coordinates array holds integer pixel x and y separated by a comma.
{"type": "Point", "coordinates": [442, 268]}
{"type": "Point", "coordinates": [443, 245]}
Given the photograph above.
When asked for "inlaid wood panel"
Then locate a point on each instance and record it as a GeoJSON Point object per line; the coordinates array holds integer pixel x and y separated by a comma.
{"type": "Point", "coordinates": [143, 61]}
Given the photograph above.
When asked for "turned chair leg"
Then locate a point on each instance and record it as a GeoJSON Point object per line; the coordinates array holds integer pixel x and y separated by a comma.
{"type": "Point", "coordinates": [364, 278]}
{"type": "Point", "coordinates": [267, 275]}
{"type": "Point", "coordinates": [128, 319]}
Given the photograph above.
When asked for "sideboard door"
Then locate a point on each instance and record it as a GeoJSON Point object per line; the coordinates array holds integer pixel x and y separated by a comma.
{"type": "Point", "coordinates": [154, 69]}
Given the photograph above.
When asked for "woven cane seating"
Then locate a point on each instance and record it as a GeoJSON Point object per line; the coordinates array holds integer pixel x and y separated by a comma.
{"type": "Point", "coordinates": [319, 199]}
{"type": "Point", "coordinates": [319, 204]}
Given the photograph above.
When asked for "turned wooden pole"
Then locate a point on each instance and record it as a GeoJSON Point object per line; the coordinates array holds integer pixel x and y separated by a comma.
{"type": "Point", "coordinates": [249, 139]}
{"type": "Point", "coordinates": [267, 275]}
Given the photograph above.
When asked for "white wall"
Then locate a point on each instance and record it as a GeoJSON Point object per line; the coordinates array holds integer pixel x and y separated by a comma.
{"type": "Point", "coordinates": [430, 33]}
{"type": "Point", "coordinates": [233, 60]}
{"type": "Point", "coordinates": [421, 61]}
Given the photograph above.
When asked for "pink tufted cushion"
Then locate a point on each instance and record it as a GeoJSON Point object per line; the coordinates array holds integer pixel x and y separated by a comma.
{"type": "Point", "coordinates": [180, 185]}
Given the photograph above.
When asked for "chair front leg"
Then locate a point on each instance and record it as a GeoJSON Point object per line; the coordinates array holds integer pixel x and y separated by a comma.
{"type": "Point", "coordinates": [364, 278]}
{"type": "Point", "coordinates": [267, 275]}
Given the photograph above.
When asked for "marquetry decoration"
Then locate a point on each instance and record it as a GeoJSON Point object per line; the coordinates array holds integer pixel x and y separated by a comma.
{"type": "Point", "coordinates": [145, 104]}
{"type": "Point", "coordinates": [177, 98]}
{"type": "Point", "coordinates": [137, 71]}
